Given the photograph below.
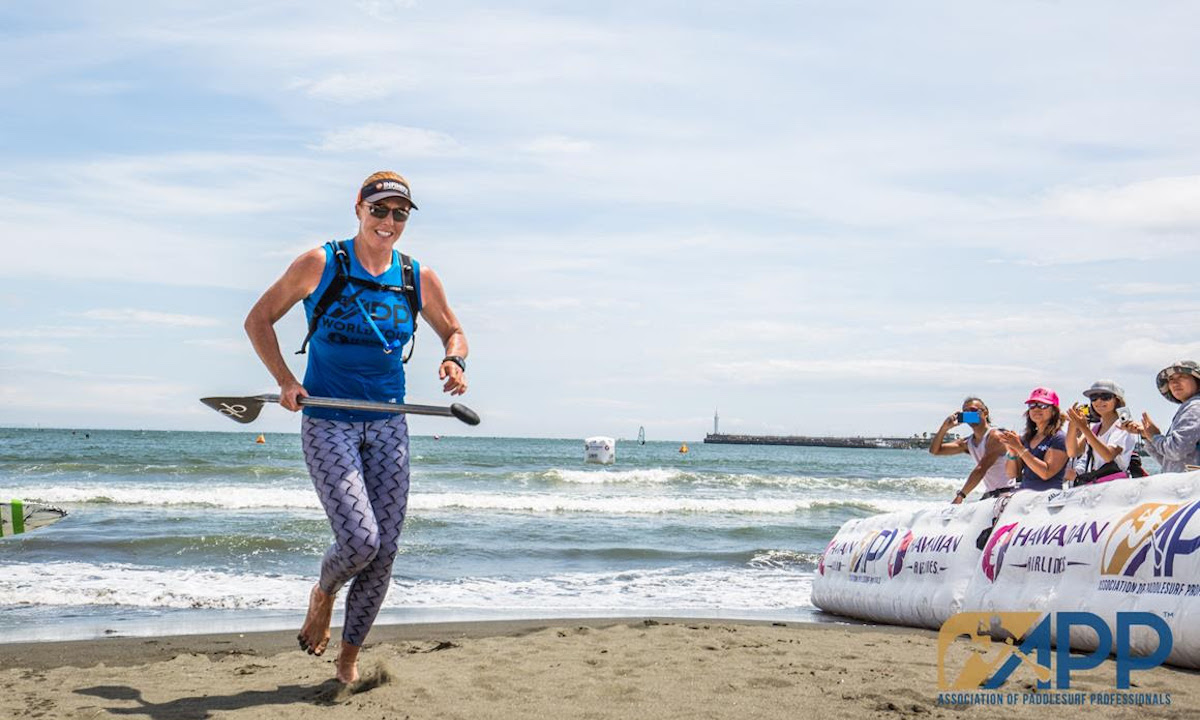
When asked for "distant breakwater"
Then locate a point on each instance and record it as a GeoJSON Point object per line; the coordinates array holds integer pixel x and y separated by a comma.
{"type": "Point", "coordinates": [836, 442]}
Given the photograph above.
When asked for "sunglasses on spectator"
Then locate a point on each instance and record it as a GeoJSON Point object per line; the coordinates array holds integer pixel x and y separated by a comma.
{"type": "Point", "coordinates": [381, 211]}
{"type": "Point", "coordinates": [1104, 396]}
{"type": "Point", "coordinates": [1039, 406]}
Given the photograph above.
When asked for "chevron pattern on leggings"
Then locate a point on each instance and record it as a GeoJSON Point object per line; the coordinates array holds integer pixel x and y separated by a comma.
{"type": "Point", "coordinates": [360, 472]}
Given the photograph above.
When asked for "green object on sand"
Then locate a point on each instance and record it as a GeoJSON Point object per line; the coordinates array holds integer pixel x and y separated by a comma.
{"type": "Point", "coordinates": [18, 517]}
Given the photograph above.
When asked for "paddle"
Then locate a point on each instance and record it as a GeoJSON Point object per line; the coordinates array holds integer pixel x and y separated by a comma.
{"type": "Point", "coordinates": [246, 409]}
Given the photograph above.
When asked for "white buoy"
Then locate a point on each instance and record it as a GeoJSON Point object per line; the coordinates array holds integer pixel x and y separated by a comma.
{"type": "Point", "coordinates": [600, 450]}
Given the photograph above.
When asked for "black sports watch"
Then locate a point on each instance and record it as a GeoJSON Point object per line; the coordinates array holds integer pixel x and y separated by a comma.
{"type": "Point", "coordinates": [457, 360]}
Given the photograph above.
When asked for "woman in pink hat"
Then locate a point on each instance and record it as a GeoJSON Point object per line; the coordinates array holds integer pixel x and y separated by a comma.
{"type": "Point", "coordinates": [1038, 457]}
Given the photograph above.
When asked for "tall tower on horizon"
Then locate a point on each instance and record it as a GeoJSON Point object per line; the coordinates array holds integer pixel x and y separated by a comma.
{"type": "Point", "coordinates": [716, 422]}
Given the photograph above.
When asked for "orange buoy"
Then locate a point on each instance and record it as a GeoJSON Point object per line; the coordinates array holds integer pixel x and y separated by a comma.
{"type": "Point", "coordinates": [683, 448]}
{"type": "Point", "coordinates": [261, 440]}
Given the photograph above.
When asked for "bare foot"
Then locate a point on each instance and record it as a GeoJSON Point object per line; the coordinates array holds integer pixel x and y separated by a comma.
{"type": "Point", "coordinates": [314, 634]}
{"type": "Point", "coordinates": [347, 663]}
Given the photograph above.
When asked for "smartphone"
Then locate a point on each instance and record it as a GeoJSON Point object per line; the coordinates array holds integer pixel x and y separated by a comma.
{"type": "Point", "coordinates": [969, 416]}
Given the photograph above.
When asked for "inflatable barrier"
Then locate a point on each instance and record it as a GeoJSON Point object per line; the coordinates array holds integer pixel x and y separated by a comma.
{"type": "Point", "coordinates": [1127, 545]}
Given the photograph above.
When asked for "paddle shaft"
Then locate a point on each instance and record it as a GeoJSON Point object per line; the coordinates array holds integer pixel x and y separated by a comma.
{"type": "Point", "coordinates": [368, 405]}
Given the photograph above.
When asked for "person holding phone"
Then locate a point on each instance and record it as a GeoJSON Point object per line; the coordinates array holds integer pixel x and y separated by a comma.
{"type": "Point", "coordinates": [1101, 447]}
{"type": "Point", "coordinates": [1178, 449]}
{"type": "Point", "coordinates": [1038, 456]}
{"type": "Point", "coordinates": [362, 298]}
{"type": "Point", "coordinates": [983, 445]}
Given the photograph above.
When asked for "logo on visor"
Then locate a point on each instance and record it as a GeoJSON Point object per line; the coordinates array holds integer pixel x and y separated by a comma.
{"type": "Point", "coordinates": [391, 185]}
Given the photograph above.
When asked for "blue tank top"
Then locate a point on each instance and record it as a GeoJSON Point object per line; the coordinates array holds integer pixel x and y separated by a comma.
{"type": "Point", "coordinates": [345, 357]}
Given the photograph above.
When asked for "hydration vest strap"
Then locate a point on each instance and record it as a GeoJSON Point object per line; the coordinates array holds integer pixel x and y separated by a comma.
{"type": "Point", "coordinates": [410, 293]}
{"type": "Point", "coordinates": [332, 291]}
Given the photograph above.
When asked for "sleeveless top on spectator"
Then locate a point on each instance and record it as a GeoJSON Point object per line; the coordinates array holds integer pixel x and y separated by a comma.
{"type": "Point", "coordinates": [995, 477]}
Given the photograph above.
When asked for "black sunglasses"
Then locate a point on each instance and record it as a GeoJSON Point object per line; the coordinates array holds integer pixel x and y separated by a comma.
{"type": "Point", "coordinates": [1104, 396]}
{"type": "Point", "coordinates": [1039, 406]}
{"type": "Point", "coordinates": [381, 211]}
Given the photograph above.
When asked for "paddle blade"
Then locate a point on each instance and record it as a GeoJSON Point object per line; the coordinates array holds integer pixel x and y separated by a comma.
{"type": "Point", "coordinates": [464, 413]}
{"type": "Point", "coordinates": [239, 409]}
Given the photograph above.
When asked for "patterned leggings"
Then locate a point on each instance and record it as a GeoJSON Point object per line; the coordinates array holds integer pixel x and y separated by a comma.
{"type": "Point", "coordinates": [360, 471]}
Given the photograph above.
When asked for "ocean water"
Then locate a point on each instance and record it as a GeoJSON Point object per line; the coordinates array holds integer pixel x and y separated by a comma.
{"type": "Point", "coordinates": [175, 532]}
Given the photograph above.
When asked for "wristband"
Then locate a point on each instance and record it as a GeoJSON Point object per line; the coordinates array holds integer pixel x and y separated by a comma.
{"type": "Point", "coordinates": [458, 360]}
{"type": "Point", "coordinates": [960, 494]}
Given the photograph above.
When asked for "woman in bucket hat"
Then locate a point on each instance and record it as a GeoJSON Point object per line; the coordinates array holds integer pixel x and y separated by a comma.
{"type": "Point", "coordinates": [1179, 446]}
{"type": "Point", "coordinates": [1102, 448]}
{"type": "Point", "coordinates": [1038, 457]}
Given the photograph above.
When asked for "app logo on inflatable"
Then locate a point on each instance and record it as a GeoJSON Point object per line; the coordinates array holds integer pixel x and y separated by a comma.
{"type": "Point", "coordinates": [871, 548]}
{"type": "Point", "coordinates": [897, 561]}
{"type": "Point", "coordinates": [1158, 528]}
{"type": "Point", "coordinates": [821, 562]}
{"type": "Point", "coordinates": [997, 546]}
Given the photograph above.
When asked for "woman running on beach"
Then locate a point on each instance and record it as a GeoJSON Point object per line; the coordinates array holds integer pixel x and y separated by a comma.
{"type": "Point", "coordinates": [361, 298]}
{"type": "Point", "coordinates": [1102, 448]}
{"type": "Point", "coordinates": [1178, 448]}
{"type": "Point", "coordinates": [1038, 457]}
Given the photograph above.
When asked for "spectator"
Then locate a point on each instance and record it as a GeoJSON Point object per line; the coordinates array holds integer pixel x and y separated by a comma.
{"type": "Point", "coordinates": [1178, 449]}
{"type": "Point", "coordinates": [1102, 449]}
{"type": "Point", "coordinates": [1038, 457]}
{"type": "Point", "coordinates": [982, 445]}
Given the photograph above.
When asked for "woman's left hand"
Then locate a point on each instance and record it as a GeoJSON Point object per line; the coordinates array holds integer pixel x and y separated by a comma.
{"type": "Point", "coordinates": [456, 379]}
{"type": "Point", "coordinates": [1149, 429]}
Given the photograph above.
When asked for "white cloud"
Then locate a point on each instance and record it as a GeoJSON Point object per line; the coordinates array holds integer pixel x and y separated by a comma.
{"type": "Point", "coordinates": [557, 145]}
{"type": "Point", "coordinates": [59, 332]}
{"type": "Point", "coordinates": [352, 88]}
{"type": "Point", "coordinates": [769, 371]}
{"type": "Point", "coordinates": [116, 399]}
{"type": "Point", "coordinates": [36, 349]}
{"type": "Point", "coordinates": [696, 208]}
{"type": "Point", "coordinates": [1170, 203]}
{"type": "Point", "coordinates": [1149, 288]}
{"type": "Point", "coordinates": [1148, 355]}
{"type": "Point", "coordinates": [87, 375]}
{"type": "Point", "coordinates": [384, 9]}
{"type": "Point", "coordinates": [226, 345]}
{"type": "Point", "coordinates": [392, 141]}
{"type": "Point", "coordinates": [149, 317]}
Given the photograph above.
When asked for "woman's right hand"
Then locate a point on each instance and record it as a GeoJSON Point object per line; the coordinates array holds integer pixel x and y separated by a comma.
{"type": "Point", "coordinates": [290, 393]}
{"type": "Point", "coordinates": [1075, 416]}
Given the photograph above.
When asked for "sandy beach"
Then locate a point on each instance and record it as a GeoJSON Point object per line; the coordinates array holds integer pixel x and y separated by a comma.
{"type": "Point", "coordinates": [650, 668]}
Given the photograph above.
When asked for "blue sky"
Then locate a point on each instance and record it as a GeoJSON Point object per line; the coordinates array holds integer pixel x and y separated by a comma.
{"type": "Point", "coordinates": [820, 218]}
